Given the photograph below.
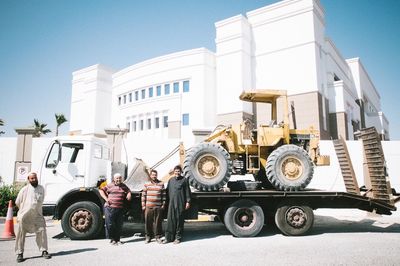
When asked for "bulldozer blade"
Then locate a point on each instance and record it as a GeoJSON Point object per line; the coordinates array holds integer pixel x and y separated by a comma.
{"type": "Point", "coordinates": [138, 176]}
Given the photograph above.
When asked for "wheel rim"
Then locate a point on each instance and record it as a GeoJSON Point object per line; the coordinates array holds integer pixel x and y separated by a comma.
{"type": "Point", "coordinates": [245, 218]}
{"type": "Point", "coordinates": [292, 168]}
{"type": "Point", "coordinates": [208, 166]}
{"type": "Point", "coordinates": [296, 217]}
{"type": "Point", "coordinates": [81, 220]}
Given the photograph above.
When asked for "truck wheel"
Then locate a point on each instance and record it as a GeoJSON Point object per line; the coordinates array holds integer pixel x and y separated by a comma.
{"type": "Point", "coordinates": [244, 218]}
{"type": "Point", "coordinates": [207, 166]}
{"type": "Point", "coordinates": [82, 220]}
{"type": "Point", "coordinates": [289, 168]}
{"type": "Point", "coordinates": [293, 220]}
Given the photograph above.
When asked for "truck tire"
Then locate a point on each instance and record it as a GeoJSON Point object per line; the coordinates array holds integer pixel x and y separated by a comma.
{"type": "Point", "coordinates": [82, 220]}
{"type": "Point", "coordinates": [289, 168]}
{"type": "Point", "coordinates": [207, 166]}
{"type": "Point", "coordinates": [244, 218]}
{"type": "Point", "coordinates": [294, 220]}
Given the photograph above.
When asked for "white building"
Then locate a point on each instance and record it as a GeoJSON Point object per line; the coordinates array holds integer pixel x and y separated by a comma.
{"type": "Point", "coordinates": [184, 95]}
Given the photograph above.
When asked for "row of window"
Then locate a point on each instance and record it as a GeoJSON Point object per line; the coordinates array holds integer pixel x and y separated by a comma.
{"type": "Point", "coordinates": [148, 124]}
{"type": "Point", "coordinates": [164, 89]}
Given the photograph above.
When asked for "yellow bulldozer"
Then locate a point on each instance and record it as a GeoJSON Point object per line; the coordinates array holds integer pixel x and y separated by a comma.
{"type": "Point", "coordinates": [283, 156]}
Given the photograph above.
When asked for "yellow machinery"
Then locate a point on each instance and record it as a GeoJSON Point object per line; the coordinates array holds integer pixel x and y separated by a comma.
{"type": "Point", "coordinates": [283, 156]}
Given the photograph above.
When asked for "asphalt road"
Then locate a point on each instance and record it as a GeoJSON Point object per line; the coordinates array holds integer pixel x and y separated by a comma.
{"type": "Point", "coordinates": [350, 237]}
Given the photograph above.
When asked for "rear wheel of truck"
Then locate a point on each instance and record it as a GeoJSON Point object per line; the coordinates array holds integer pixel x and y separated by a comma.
{"type": "Point", "coordinates": [294, 220]}
{"type": "Point", "coordinates": [82, 220]}
{"type": "Point", "coordinates": [207, 166]}
{"type": "Point", "coordinates": [244, 218]}
{"type": "Point", "coordinates": [289, 168]}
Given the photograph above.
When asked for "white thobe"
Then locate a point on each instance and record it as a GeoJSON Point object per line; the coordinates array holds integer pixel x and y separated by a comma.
{"type": "Point", "coordinates": [30, 217]}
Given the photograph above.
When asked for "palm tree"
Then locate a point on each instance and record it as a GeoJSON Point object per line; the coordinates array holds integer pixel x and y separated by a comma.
{"type": "Point", "coordinates": [60, 119]}
{"type": "Point", "coordinates": [1, 124]}
{"type": "Point", "coordinates": [40, 128]}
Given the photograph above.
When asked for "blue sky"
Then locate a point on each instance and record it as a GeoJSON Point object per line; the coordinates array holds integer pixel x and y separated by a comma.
{"type": "Point", "coordinates": [43, 41]}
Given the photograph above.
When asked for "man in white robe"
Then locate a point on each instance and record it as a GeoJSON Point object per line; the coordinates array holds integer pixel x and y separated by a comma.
{"type": "Point", "coordinates": [30, 217]}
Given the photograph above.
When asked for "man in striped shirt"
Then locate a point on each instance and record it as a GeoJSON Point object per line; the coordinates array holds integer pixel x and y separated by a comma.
{"type": "Point", "coordinates": [114, 195]}
{"type": "Point", "coordinates": [153, 204]}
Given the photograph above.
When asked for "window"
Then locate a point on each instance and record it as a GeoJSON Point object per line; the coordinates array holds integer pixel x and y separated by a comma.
{"type": "Point", "coordinates": [53, 158]}
{"type": "Point", "coordinates": [186, 86]}
{"type": "Point", "coordinates": [157, 122]}
{"type": "Point", "coordinates": [130, 97]}
{"type": "Point", "coordinates": [119, 100]}
{"type": "Point", "coordinates": [166, 89]}
{"type": "Point", "coordinates": [134, 125]}
{"type": "Point", "coordinates": [128, 126]}
{"type": "Point", "coordinates": [136, 96]}
{"type": "Point", "coordinates": [148, 123]}
{"type": "Point", "coordinates": [185, 119]}
{"type": "Point", "coordinates": [124, 99]}
{"type": "Point", "coordinates": [150, 92]}
{"type": "Point", "coordinates": [141, 124]}
{"type": "Point", "coordinates": [158, 90]}
{"type": "Point", "coordinates": [176, 87]}
{"type": "Point", "coordinates": [70, 151]}
{"type": "Point", "coordinates": [165, 121]}
{"type": "Point", "coordinates": [143, 93]}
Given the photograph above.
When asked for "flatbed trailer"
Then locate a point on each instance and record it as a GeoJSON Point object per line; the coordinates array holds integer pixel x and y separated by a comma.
{"type": "Point", "coordinates": [244, 213]}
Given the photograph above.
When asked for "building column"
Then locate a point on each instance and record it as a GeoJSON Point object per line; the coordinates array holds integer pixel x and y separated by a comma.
{"type": "Point", "coordinates": [23, 161]}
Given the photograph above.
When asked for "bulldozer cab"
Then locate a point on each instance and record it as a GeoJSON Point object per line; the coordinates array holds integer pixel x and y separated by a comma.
{"type": "Point", "coordinates": [270, 134]}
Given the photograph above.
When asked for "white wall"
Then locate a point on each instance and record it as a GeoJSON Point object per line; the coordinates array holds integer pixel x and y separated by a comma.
{"type": "Point", "coordinates": [8, 154]}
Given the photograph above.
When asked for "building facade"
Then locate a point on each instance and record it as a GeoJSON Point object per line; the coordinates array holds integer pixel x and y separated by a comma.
{"type": "Point", "coordinates": [183, 96]}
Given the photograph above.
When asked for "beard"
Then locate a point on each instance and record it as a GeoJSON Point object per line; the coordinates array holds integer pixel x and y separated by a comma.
{"type": "Point", "coordinates": [34, 183]}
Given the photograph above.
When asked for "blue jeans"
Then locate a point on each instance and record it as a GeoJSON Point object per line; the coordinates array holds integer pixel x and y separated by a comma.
{"type": "Point", "coordinates": [114, 220]}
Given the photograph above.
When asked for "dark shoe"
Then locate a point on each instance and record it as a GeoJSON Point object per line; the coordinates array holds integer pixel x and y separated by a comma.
{"type": "Point", "coordinates": [147, 241]}
{"type": "Point", "coordinates": [177, 241]}
{"type": "Point", "coordinates": [20, 258]}
{"type": "Point", "coordinates": [46, 255]}
{"type": "Point", "coordinates": [158, 240]}
{"type": "Point", "coordinates": [165, 241]}
{"type": "Point", "coordinates": [113, 243]}
{"type": "Point", "coordinates": [119, 243]}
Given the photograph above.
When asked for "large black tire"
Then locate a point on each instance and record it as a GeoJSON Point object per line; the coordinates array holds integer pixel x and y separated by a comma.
{"type": "Point", "coordinates": [82, 220]}
{"type": "Point", "coordinates": [207, 166]}
{"type": "Point", "coordinates": [244, 218]}
{"type": "Point", "coordinates": [289, 168]}
{"type": "Point", "coordinates": [294, 220]}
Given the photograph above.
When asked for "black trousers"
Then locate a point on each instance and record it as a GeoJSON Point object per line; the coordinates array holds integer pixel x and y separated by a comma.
{"type": "Point", "coordinates": [153, 218]}
{"type": "Point", "coordinates": [114, 220]}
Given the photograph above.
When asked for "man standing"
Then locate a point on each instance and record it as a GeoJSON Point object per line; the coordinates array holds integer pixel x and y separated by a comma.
{"type": "Point", "coordinates": [153, 204]}
{"type": "Point", "coordinates": [114, 195]}
{"type": "Point", "coordinates": [30, 217]}
{"type": "Point", "coordinates": [178, 192]}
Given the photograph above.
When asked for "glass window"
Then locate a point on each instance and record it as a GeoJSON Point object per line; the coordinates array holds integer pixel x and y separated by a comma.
{"type": "Point", "coordinates": [141, 124]}
{"type": "Point", "coordinates": [53, 158]}
{"type": "Point", "coordinates": [70, 151]}
{"type": "Point", "coordinates": [157, 122]}
{"type": "Point", "coordinates": [176, 87]}
{"type": "Point", "coordinates": [128, 126]}
{"type": "Point", "coordinates": [150, 92]}
{"type": "Point", "coordinates": [186, 86]}
{"type": "Point", "coordinates": [124, 99]}
{"type": "Point", "coordinates": [185, 119]}
{"type": "Point", "coordinates": [119, 100]}
{"type": "Point", "coordinates": [134, 125]}
{"type": "Point", "coordinates": [166, 89]}
{"type": "Point", "coordinates": [165, 121]}
{"type": "Point", "coordinates": [148, 123]}
{"type": "Point", "coordinates": [143, 93]}
{"type": "Point", "coordinates": [97, 152]}
{"type": "Point", "coordinates": [136, 96]}
{"type": "Point", "coordinates": [130, 97]}
{"type": "Point", "coordinates": [158, 90]}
